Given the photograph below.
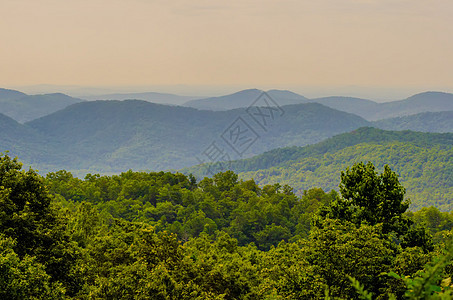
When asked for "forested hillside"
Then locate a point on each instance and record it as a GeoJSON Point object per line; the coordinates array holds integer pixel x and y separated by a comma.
{"type": "Point", "coordinates": [166, 236]}
{"type": "Point", "coordinates": [423, 160]}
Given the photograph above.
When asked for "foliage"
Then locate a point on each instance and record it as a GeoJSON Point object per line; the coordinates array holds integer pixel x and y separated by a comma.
{"type": "Point", "coordinates": [371, 198]}
{"type": "Point", "coordinates": [422, 160]}
{"type": "Point", "coordinates": [163, 235]}
{"type": "Point", "coordinates": [425, 172]}
{"type": "Point", "coordinates": [433, 282]}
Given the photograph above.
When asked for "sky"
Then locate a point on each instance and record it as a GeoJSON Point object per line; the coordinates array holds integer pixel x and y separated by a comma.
{"type": "Point", "coordinates": [384, 48]}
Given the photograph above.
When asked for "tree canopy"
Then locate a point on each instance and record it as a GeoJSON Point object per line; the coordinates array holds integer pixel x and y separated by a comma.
{"type": "Point", "coordinates": [164, 235]}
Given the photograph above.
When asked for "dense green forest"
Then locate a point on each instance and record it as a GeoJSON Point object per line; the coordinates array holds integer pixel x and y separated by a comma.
{"type": "Point", "coordinates": [164, 235]}
{"type": "Point", "coordinates": [424, 162]}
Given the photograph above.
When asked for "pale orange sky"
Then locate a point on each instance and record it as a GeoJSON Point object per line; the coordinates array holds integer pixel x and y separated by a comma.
{"type": "Point", "coordinates": [267, 43]}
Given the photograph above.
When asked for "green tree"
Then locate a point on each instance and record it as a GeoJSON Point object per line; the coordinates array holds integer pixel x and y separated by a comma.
{"type": "Point", "coordinates": [24, 278]}
{"type": "Point", "coordinates": [371, 198]}
{"type": "Point", "coordinates": [338, 249]}
{"type": "Point", "coordinates": [28, 217]}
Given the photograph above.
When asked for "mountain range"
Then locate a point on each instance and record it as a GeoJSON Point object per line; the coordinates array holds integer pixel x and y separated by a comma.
{"type": "Point", "coordinates": [245, 98]}
{"type": "Point", "coordinates": [23, 107]}
{"type": "Point", "coordinates": [113, 136]}
{"type": "Point", "coordinates": [367, 109]}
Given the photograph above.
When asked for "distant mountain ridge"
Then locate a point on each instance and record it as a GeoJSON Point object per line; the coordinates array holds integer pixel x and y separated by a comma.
{"type": "Point", "coordinates": [245, 98]}
{"type": "Point", "coordinates": [367, 109]}
{"type": "Point", "coordinates": [161, 98]}
{"type": "Point", "coordinates": [423, 102]}
{"type": "Point", "coordinates": [23, 108]}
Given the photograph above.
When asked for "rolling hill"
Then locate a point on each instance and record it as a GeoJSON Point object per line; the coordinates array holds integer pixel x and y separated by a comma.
{"type": "Point", "coordinates": [424, 162]}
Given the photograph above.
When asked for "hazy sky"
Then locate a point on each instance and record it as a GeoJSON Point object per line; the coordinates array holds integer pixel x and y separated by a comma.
{"type": "Point", "coordinates": [387, 44]}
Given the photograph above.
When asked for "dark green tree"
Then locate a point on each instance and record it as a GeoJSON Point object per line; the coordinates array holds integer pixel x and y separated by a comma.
{"type": "Point", "coordinates": [371, 198]}
{"type": "Point", "coordinates": [28, 217]}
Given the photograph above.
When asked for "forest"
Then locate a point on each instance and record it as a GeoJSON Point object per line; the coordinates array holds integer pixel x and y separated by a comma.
{"type": "Point", "coordinates": [162, 235]}
{"type": "Point", "coordinates": [423, 161]}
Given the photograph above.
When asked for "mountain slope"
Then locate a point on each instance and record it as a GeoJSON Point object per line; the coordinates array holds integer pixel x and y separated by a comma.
{"type": "Point", "coordinates": [113, 136]}
{"type": "Point", "coordinates": [31, 107]}
{"type": "Point", "coordinates": [283, 156]}
{"type": "Point", "coordinates": [358, 106]}
{"type": "Point", "coordinates": [424, 162]}
{"type": "Point", "coordinates": [21, 141]}
{"type": "Point", "coordinates": [425, 122]}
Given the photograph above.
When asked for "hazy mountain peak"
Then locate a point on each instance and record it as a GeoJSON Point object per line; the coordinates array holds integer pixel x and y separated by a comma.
{"type": "Point", "coordinates": [7, 94]}
{"type": "Point", "coordinates": [245, 98]}
{"type": "Point", "coordinates": [431, 94]}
